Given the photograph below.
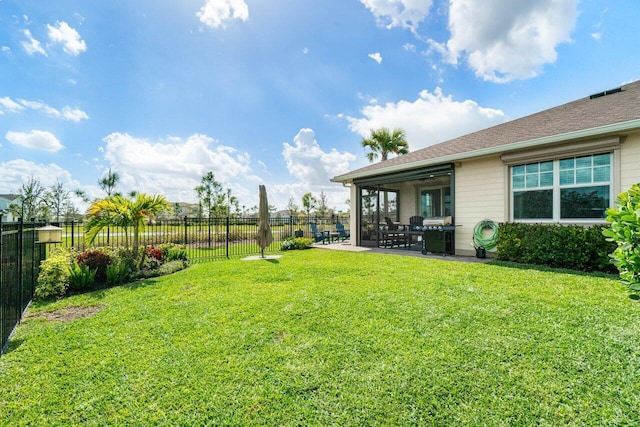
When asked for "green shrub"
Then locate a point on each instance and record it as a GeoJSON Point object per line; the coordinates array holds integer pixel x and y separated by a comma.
{"type": "Point", "coordinates": [293, 243]}
{"type": "Point", "coordinates": [80, 276]}
{"type": "Point", "coordinates": [624, 233]}
{"type": "Point", "coordinates": [173, 252]}
{"type": "Point", "coordinates": [571, 246]}
{"type": "Point", "coordinates": [166, 268]}
{"type": "Point", "coordinates": [53, 280]}
{"type": "Point", "coordinates": [118, 272]}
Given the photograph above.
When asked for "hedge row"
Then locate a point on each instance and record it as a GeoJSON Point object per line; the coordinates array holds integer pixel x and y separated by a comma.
{"type": "Point", "coordinates": [560, 246]}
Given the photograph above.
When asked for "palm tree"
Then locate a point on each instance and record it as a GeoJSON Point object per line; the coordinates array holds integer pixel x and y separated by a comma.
{"type": "Point", "coordinates": [109, 182]}
{"type": "Point", "coordinates": [382, 142]}
{"type": "Point", "coordinates": [122, 212]}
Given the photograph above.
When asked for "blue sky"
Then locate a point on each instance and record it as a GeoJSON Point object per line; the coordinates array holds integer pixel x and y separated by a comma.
{"type": "Point", "coordinates": [280, 92]}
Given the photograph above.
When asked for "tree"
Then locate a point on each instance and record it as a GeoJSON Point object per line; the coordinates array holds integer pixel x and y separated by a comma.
{"type": "Point", "coordinates": [177, 210]}
{"type": "Point", "coordinates": [30, 203]}
{"type": "Point", "coordinates": [57, 200]}
{"type": "Point", "coordinates": [323, 209]}
{"type": "Point", "coordinates": [292, 207]}
{"type": "Point", "coordinates": [382, 142]}
{"type": "Point", "coordinates": [213, 198]}
{"type": "Point", "coordinates": [309, 203]}
{"type": "Point", "coordinates": [125, 213]}
{"type": "Point", "coordinates": [109, 182]}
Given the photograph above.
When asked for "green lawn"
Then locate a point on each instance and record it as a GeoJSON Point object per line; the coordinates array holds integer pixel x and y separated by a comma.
{"type": "Point", "coordinates": [332, 338]}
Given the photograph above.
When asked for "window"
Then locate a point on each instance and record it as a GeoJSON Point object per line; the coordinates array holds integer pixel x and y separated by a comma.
{"type": "Point", "coordinates": [567, 189]}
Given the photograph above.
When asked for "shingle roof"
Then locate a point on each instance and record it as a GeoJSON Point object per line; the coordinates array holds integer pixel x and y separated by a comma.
{"type": "Point", "coordinates": [609, 107]}
{"type": "Point", "coordinates": [9, 197]}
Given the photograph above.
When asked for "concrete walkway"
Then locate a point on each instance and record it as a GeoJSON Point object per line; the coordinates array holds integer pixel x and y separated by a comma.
{"type": "Point", "coordinates": [346, 246]}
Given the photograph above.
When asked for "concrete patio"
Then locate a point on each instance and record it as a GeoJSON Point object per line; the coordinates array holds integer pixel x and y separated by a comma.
{"type": "Point", "coordinates": [346, 246]}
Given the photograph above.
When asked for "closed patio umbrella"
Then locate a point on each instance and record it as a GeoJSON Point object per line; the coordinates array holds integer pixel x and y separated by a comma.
{"type": "Point", "coordinates": [264, 237]}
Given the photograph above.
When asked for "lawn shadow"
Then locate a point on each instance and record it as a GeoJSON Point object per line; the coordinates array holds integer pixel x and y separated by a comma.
{"type": "Point", "coordinates": [543, 268]}
{"type": "Point", "coordinates": [141, 283]}
{"type": "Point", "coordinates": [12, 344]}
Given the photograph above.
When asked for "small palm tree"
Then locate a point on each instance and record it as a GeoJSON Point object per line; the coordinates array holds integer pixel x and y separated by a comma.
{"type": "Point", "coordinates": [382, 142]}
{"type": "Point", "coordinates": [125, 213]}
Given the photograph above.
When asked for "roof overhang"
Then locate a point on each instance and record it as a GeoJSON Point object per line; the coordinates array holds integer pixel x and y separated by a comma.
{"type": "Point", "coordinates": [611, 129]}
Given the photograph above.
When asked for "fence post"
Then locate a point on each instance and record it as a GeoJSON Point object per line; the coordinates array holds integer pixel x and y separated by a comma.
{"type": "Point", "coordinates": [73, 228]}
{"type": "Point", "coordinates": [290, 225]}
{"type": "Point", "coordinates": [20, 258]}
{"type": "Point", "coordinates": [227, 239]}
{"type": "Point", "coordinates": [2, 314]}
{"type": "Point", "coordinates": [185, 230]}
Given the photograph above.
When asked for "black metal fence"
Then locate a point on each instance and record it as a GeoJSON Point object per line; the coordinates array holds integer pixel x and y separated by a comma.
{"type": "Point", "coordinates": [204, 238]}
{"type": "Point", "coordinates": [20, 258]}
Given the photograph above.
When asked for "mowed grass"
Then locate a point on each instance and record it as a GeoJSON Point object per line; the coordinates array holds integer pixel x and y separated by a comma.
{"type": "Point", "coordinates": [332, 338]}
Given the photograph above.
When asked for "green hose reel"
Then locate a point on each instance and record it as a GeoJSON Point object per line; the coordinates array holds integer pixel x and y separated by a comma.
{"type": "Point", "coordinates": [483, 242]}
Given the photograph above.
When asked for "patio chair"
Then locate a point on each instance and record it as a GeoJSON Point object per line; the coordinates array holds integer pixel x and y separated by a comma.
{"type": "Point", "coordinates": [393, 235]}
{"type": "Point", "coordinates": [342, 233]}
{"type": "Point", "coordinates": [318, 236]}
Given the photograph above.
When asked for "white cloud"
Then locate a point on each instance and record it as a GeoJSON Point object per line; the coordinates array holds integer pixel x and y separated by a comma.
{"type": "Point", "coordinates": [9, 105]}
{"type": "Point", "coordinates": [376, 57]}
{"type": "Point", "coordinates": [409, 47]}
{"type": "Point", "coordinates": [6, 49]}
{"type": "Point", "coordinates": [32, 46]}
{"type": "Point", "coordinates": [40, 106]}
{"type": "Point", "coordinates": [214, 13]}
{"type": "Point", "coordinates": [173, 167]}
{"type": "Point", "coordinates": [16, 172]}
{"type": "Point", "coordinates": [503, 41]}
{"type": "Point", "coordinates": [74, 114]}
{"type": "Point", "coordinates": [69, 38]}
{"type": "Point", "coordinates": [430, 119]}
{"type": "Point", "coordinates": [310, 164]}
{"type": "Point", "coordinates": [36, 139]}
{"type": "Point", "coordinates": [67, 113]}
{"type": "Point", "coordinates": [313, 168]}
{"type": "Point", "coordinates": [399, 13]}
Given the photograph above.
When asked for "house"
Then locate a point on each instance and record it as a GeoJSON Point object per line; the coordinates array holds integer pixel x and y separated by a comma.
{"type": "Point", "coordinates": [564, 165]}
{"type": "Point", "coordinates": [5, 201]}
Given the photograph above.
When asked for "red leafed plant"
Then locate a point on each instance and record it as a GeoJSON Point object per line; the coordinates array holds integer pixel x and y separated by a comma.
{"type": "Point", "coordinates": [95, 260]}
{"type": "Point", "coordinates": [155, 253]}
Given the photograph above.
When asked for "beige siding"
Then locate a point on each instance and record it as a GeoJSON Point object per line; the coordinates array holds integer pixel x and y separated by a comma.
{"type": "Point", "coordinates": [630, 162]}
{"type": "Point", "coordinates": [480, 193]}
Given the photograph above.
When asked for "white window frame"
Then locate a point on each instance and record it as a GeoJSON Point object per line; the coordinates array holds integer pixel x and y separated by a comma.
{"type": "Point", "coordinates": [555, 154]}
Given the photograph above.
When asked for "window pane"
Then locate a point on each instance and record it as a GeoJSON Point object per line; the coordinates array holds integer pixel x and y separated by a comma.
{"type": "Point", "coordinates": [533, 204]}
{"type": "Point", "coordinates": [584, 203]}
{"type": "Point", "coordinates": [518, 170]}
{"type": "Point", "coordinates": [567, 164]}
{"type": "Point", "coordinates": [583, 176]}
{"type": "Point", "coordinates": [518, 182]}
{"type": "Point", "coordinates": [602, 160]}
{"type": "Point", "coordinates": [583, 162]}
{"type": "Point", "coordinates": [546, 167]}
{"type": "Point", "coordinates": [566, 177]}
{"type": "Point", "coordinates": [532, 167]}
{"type": "Point", "coordinates": [602, 174]}
{"type": "Point", "coordinates": [532, 181]}
{"type": "Point", "coordinates": [546, 179]}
